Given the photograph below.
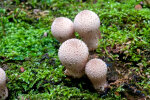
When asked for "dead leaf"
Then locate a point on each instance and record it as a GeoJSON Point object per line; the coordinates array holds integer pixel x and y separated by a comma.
{"type": "Point", "coordinates": [117, 94]}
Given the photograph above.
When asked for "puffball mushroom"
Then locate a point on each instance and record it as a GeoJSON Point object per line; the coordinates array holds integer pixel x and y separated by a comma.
{"type": "Point", "coordinates": [96, 71]}
{"type": "Point", "coordinates": [87, 24]}
{"type": "Point", "coordinates": [62, 29]}
{"type": "Point", "coordinates": [73, 54]}
{"type": "Point", "coordinates": [3, 88]}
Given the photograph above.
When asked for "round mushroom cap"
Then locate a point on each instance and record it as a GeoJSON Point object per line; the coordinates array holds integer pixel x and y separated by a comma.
{"type": "Point", "coordinates": [73, 54]}
{"type": "Point", "coordinates": [96, 68]}
{"type": "Point", "coordinates": [86, 21]}
{"type": "Point", "coordinates": [2, 77]}
{"type": "Point", "coordinates": [62, 29]}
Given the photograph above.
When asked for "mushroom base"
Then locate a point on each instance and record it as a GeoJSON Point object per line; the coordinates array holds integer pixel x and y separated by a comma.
{"type": "Point", "coordinates": [3, 92]}
{"type": "Point", "coordinates": [91, 38]}
{"type": "Point", "coordinates": [74, 74]}
{"type": "Point", "coordinates": [100, 84]}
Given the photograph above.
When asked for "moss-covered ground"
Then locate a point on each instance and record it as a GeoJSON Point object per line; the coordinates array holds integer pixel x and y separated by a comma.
{"type": "Point", "coordinates": [28, 51]}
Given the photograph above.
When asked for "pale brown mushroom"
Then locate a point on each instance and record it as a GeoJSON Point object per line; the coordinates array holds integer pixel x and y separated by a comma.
{"type": "Point", "coordinates": [96, 70]}
{"type": "Point", "coordinates": [62, 29]}
{"type": "Point", "coordinates": [87, 24]}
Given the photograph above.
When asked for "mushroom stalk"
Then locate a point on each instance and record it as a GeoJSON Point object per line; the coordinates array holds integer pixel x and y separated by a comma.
{"type": "Point", "coordinates": [92, 38]}
{"type": "Point", "coordinates": [99, 84]}
{"type": "Point", "coordinates": [74, 73]}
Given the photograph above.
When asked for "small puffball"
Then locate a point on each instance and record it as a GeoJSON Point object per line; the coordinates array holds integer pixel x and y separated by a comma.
{"type": "Point", "coordinates": [96, 70]}
{"type": "Point", "coordinates": [87, 24]}
{"type": "Point", "coordinates": [62, 29]}
{"type": "Point", "coordinates": [73, 54]}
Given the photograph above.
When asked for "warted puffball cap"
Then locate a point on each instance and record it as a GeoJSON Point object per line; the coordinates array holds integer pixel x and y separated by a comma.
{"type": "Point", "coordinates": [62, 29]}
{"type": "Point", "coordinates": [3, 88]}
{"type": "Point", "coordinates": [96, 70]}
{"type": "Point", "coordinates": [2, 77]}
{"type": "Point", "coordinates": [73, 54]}
{"type": "Point", "coordinates": [86, 21]}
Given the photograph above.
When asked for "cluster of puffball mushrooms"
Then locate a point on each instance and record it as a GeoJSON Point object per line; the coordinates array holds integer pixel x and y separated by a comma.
{"type": "Point", "coordinates": [74, 53]}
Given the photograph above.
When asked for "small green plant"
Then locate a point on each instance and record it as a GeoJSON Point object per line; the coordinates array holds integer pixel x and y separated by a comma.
{"type": "Point", "coordinates": [2, 17]}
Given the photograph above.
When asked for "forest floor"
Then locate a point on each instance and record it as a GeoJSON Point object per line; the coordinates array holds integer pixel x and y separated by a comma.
{"type": "Point", "coordinates": [28, 51]}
